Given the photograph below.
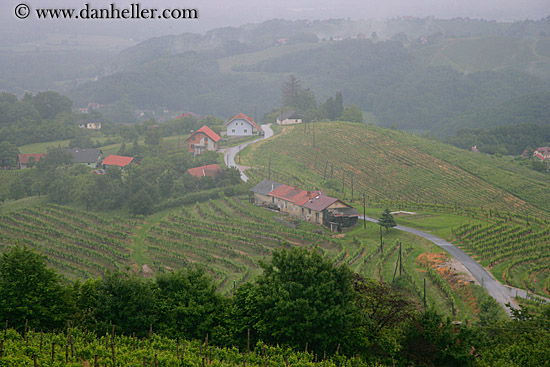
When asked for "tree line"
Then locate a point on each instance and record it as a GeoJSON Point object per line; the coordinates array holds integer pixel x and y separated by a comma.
{"type": "Point", "coordinates": [302, 300]}
{"type": "Point", "coordinates": [156, 179]}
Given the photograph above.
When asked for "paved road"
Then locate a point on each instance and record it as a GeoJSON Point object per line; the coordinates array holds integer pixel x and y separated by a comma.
{"type": "Point", "coordinates": [501, 293]}
{"type": "Point", "coordinates": [230, 153]}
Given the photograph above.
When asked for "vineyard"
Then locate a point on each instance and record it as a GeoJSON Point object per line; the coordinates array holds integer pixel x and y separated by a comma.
{"type": "Point", "coordinates": [517, 251]}
{"type": "Point", "coordinates": [347, 159]}
{"type": "Point", "coordinates": [79, 244]}
{"type": "Point", "coordinates": [228, 237]}
{"type": "Point", "coordinates": [79, 348]}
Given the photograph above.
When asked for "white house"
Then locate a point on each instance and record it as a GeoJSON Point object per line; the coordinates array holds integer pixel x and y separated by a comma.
{"type": "Point", "coordinates": [289, 118]}
{"type": "Point", "coordinates": [242, 125]}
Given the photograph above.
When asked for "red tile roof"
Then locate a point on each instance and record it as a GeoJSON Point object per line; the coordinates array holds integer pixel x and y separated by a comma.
{"type": "Point", "coordinates": [117, 160]}
{"type": "Point", "coordinates": [211, 170]}
{"type": "Point", "coordinates": [293, 194]}
{"type": "Point", "coordinates": [208, 132]}
{"type": "Point", "coordinates": [24, 158]}
{"type": "Point", "coordinates": [242, 116]}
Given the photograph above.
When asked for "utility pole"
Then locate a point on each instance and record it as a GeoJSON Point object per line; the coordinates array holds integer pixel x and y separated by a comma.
{"type": "Point", "coordinates": [269, 177]}
{"type": "Point", "coordinates": [424, 292]}
{"type": "Point", "coordinates": [364, 213]}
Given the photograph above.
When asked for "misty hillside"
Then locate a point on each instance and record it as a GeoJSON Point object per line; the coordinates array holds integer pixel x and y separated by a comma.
{"type": "Point", "coordinates": [402, 78]}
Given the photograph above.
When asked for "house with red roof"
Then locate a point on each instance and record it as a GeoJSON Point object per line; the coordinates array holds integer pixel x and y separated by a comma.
{"type": "Point", "coordinates": [23, 160]}
{"type": "Point", "coordinates": [242, 125]}
{"type": "Point", "coordinates": [202, 140]}
{"type": "Point", "coordinates": [312, 206]}
{"type": "Point", "coordinates": [542, 153]}
{"type": "Point", "coordinates": [212, 170]}
{"type": "Point", "coordinates": [117, 161]}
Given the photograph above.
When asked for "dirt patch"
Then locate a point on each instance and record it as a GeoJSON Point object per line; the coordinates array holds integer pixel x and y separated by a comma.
{"type": "Point", "coordinates": [146, 270]}
{"type": "Point", "coordinates": [341, 235]}
{"type": "Point", "coordinates": [456, 275]}
{"type": "Point", "coordinates": [447, 266]}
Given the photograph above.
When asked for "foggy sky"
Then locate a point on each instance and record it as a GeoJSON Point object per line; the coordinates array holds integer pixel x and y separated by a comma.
{"type": "Point", "coordinates": [219, 13]}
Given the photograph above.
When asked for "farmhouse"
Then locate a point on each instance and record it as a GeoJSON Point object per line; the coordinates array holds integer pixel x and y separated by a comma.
{"type": "Point", "coordinates": [311, 206]}
{"type": "Point", "coordinates": [289, 118]}
{"type": "Point", "coordinates": [202, 140]}
{"type": "Point", "coordinates": [542, 153]}
{"type": "Point", "coordinates": [242, 125]}
{"type": "Point", "coordinates": [212, 170]}
{"type": "Point", "coordinates": [117, 161]}
{"type": "Point", "coordinates": [23, 160]}
{"type": "Point", "coordinates": [89, 157]}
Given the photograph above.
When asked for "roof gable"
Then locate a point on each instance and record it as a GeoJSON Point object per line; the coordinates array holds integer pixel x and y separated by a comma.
{"type": "Point", "coordinates": [242, 116]}
{"type": "Point", "coordinates": [208, 132]}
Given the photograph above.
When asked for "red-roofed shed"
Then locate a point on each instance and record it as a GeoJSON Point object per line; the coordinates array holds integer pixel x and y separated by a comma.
{"type": "Point", "coordinates": [23, 159]}
{"type": "Point", "coordinates": [117, 160]}
{"type": "Point", "coordinates": [211, 170]}
{"type": "Point", "coordinates": [202, 140]}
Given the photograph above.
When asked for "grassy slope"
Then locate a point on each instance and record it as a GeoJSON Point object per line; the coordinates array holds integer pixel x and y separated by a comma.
{"type": "Point", "coordinates": [388, 164]}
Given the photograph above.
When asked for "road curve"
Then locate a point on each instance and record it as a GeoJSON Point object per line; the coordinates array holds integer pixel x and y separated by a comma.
{"type": "Point", "coordinates": [503, 294]}
{"type": "Point", "coordinates": [230, 153]}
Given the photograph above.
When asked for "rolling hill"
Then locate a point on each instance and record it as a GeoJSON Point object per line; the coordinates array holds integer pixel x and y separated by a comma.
{"type": "Point", "coordinates": [388, 164]}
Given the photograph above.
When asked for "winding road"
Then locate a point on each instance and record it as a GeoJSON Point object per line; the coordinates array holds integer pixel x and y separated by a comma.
{"type": "Point", "coordinates": [503, 294]}
{"type": "Point", "coordinates": [230, 153]}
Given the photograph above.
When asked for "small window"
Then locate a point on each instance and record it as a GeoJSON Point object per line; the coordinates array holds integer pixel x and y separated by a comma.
{"type": "Point", "coordinates": [309, 211]}
{"type": "Point", "coordinates": [192, 146]}
{"type": "Point", "coordinates": [232, 130]}
{"type": "Point", "coordinates": [245, 130]}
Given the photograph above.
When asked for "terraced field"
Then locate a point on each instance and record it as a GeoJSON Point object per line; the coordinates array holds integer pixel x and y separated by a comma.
{"type": "Point", "coordinates": [228, 237]}
{"type": "Point", "coordinates": [388, 164]}
{"type": "Point", "coordinates": [78, 244]}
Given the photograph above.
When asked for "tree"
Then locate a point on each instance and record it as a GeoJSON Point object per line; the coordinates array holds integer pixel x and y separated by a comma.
{"type": "Point", "coordinates": [8, 154]}
{"type": "Point", "coordinates": [387, 220]}
{"type": "Point", "coordinates": [54, 158]}
{"type": "Point", "coordinates": [49, 104]}
{"type": "Point", "coordinates": [301, 298]}
{"type": "Point", "coordinates": [290, 89]}
{"type": "Point", "coordinates": [125, 301]}
{"type": "Point", "coordinates": [152, 137]}
{"type": "Point", "coordinates": [381, 309]}
{"type": "Point", "coordinates": [352, 113]}
{"type": "Point", "coordinates": [31, 291]}
{"type": "Point", "coordinates": [187, 303]}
